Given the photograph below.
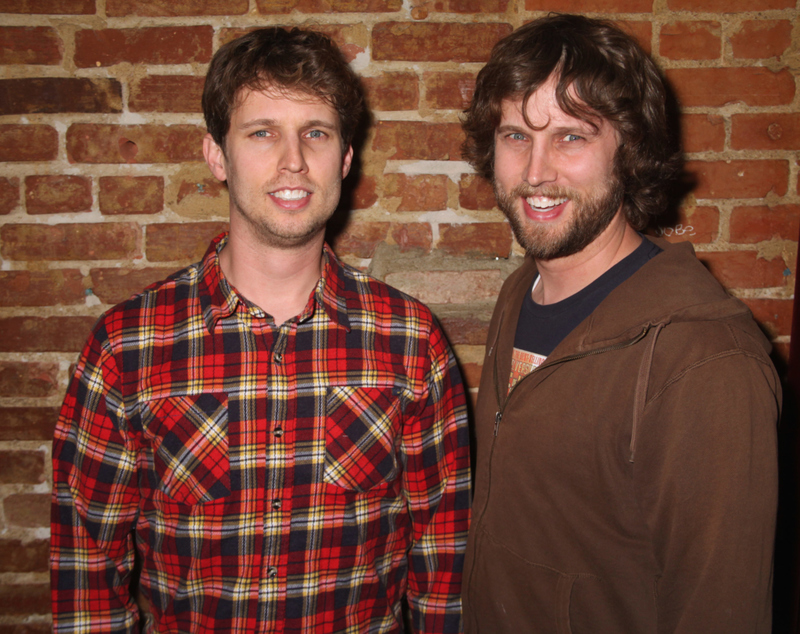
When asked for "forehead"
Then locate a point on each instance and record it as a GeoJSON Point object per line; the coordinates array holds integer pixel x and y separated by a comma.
{"type": "Point", "coordinates": [270, 101]}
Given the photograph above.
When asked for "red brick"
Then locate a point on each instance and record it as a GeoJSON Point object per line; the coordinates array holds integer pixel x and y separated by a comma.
{"type": "Point", "coordinates": [28, 423]}
{"type": "Point", "coordinates": [413, 235]}
{"type": "Point", "coordinates": [351, 39]}
{"type": "Point", "coordinates": [418, 140]}
{"type": "Point", "coordinates": [25, 599]}
{"type": "Point", "coordinates": [774, 131]}
{"type": "Point", "coordinates": [98, 143]}
{"type": "Point", "coordinates": [360, 239]}
{"type": "Point", "coordinates": [641, 31]}
{"type": "Point", "coordinates": [183, 242]}
{"type": "Point", "coordinates": [720, 86]}
{"type": "Point", "coordinates": [695, 224]}
{"type": "Point", "coordinates": [9, 194]}
{"type": "Point", "coordinates": [753, 224]}
{"type": "Point", "coordinates": [757, 39]}
{"type": "Point", "coordinates": [448, 287]}
{"type": "Point", "coordinates": [476, 193]}
{"type": "Point", "coordinates": [167, 93]}
{"type": "Point", "coordinates": [471, 373]}
{"type": "Point", "coordinates": [594, 6]}
{"type": "Point", "coordinates": [28, 379]}
{"type": "Point", "coordinates": [19, 556]}
{"type": "Point", "coordinates": [30, 510]}
{"type": "Point", "coordinates": [426, 192]}
{"type": "Point", "coordinates": [435, 41]}
{"type": "Point", "coordinates": [208, 188]}
{"type": "Point", "coordinates": [702, 133]}
{"type": "Point", "coordinates": [271, 7]}
{"type": "Point", "coordinates": [39, 45]}
{"type": "Point", "coordinates": [58, 194]}
{"type": "Point", "coordinates": [114, 285]}
{"type": "Point", "coordinates": [28, 628]}
{"type": "Point", "coordinates": [739, 179]}
{"type": "Point", "coordinates": [28, 142]}
{"type": "Point", "coordinates": [131, 194]}
{"type": "Point", "coordinates": [146, 45]}
{"type": "Point", "coordinates": [465, 330]}
{"type": "Point", "coordinates": [44, 334]}
{"type": "Point", "coordinates": [728, 6]}
{"type": "Point", "coordinates": [449, 91]}
{"type": "Point", "coordinates": [58, 7]}
{"type": "Point", "coordinates": [59, 94]}
{"type": "Point", "coordinates": [173, 8]}
{"type": "Point", "coordinates": [485, 239]}
{"type": "Point", "coordinates": [774, 315]}
{"type": "Point", "coordinates": [744, 269]}
{"type": "Point", "coordinates": [691, 40]}
{"type": "Point", "coordinates": [41, 288]}
{"type": "Point", "coordinates": [107, 241]}
{"type": "Point", "coordinates": [392, 91]}
{"type": "Point", "coordinates": [360, 194]}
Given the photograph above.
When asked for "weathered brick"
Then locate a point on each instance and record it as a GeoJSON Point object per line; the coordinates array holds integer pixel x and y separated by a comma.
{"type": "Point", "coordinates": [360, 194]}
{"type": "Point", "coordinates": [594, 6]}
{"type": "Point", "coordinates": [115, 285]}
{"type": "Point", "coordinates": [773, 131]}
{"type": "Point", "coordinates": [471, 373]}
{"type": "Point", "coordinates": [702, 133]}
{"type": "Point", "coordinates": [448, 287]}
{"type": "Point", "coordinates": [28, 510]}
{"type": "Point", "coordinates": [146, 45]}
{"type": "Point", "coordinates": [476, 193]}
{"type": "Point", "coordinates": [360, 239]}
{"type": "Point", "coordinates": [691, 40]}
{"type": "Point", "coordinates": [173, 8]}
{"type": "Point", "coordinates": [749, 225]}
{"type": "Point", "coordinates": [757, 39]}
{"type": "Point", "coordinates": [465, 330]}
{"type": "Point", "coordinates": [131, 194]}
{"type": "Point", "coordinates": [485, 239]}
{"type": "Point", "coordinates": [59, 193]}
{"type": "Point", "coordinates": [739, 179]}
{"type": "Point", "coordinates": [99, 143]}
{"type": "Point", "coordinates": [28, 379]}
{"type": "Point", "coordinates": [28, 628]}
{"type": "Point", "coordinates": [418, 140]}
{"type": "Point", "coordinates": [698, 224]}
{"type": "Point", "coordinates": [24, 599]}
{"type": "Point", "coordinates": [271, 7]}
{"type": "Point", "coordinates": [774, 315]}
{"type": "Point", "coordinates": [728, 6]}
{"type": "Point", "coordinates": [19, 556]}
{"type": "Point", "coordinates": [19, 142]}
{"type": "Point", "coordinates": [411, 41]}
{"type": "Point", "coordinates": [640, 30]}
{"type": "Point", "coordinates": [744, 269]}
{"type": "Point", "coordinates": [426, 192]}
{"type": "Point", "coordinates": [44, 334]}
{"type": "Point", "coordinates": [167, 93]}
{"type": "Point", "coordinates": [392, 91]}
{"type": "Point", "coordinates": [754, 86]}
{"type": "Point", "coordinates": [107, 241]}
{"type": "Point", "coordinates": [38, 45]}
{"type": "Point", "coordinates": [58, 7]}
{"type": "Point", "coordinates": [449, 91]}
{"type": "Point", "coordinates": [413, 235]}
{"type": "Point", "coordinates": [59, 94]}
{"type": "Point", "coordinates": [41, 288]}
{"type": "Point", "coordinates": [28, 423]}
{"type": "Point", "coordinates": [9, 194]}
{"type": "Point", "coordinates": [185, 242]}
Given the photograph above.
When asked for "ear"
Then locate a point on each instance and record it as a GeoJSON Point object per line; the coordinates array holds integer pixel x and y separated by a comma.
{"type": "Point", "coordinates": [215, 158]}
{"type": "Point", "coordinates": [347, 161]}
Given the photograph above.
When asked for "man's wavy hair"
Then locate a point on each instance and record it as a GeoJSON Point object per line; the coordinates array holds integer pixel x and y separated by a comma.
{"type": "Point", "coordinates": [612, 78]}
{"type": "Point", "coordinates": [285, 61]}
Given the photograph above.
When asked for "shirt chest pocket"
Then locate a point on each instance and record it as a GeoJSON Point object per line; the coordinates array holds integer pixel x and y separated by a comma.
{"type": "Point", "coordinates": [362, 428]}
{"type": "Point", "coordinates": [189, 436]}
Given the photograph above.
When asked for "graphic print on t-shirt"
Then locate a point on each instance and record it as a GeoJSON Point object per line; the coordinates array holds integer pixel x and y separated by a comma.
{"type": "Point", "coordinates": [522, 363]}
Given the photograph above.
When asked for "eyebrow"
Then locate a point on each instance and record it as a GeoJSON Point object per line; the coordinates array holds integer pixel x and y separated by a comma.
{"type": "Point", "coordinates": [586, 130]}
{"type": "Point", "coordinates": [269, 123]}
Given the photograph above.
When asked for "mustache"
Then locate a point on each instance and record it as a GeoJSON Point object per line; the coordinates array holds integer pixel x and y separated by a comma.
{"type": "Point", "coordinates": [524, 190]}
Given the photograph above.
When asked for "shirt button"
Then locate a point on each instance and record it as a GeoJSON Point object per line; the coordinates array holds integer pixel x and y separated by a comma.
{"type": "Point", "coordinates": [276, 504]}
{"type": "Point", "coordinates": [278, 432]}
{"type": "Point", "coordinates": [272, 572]}
{"type": "Point", "coordinates": [278, 357]}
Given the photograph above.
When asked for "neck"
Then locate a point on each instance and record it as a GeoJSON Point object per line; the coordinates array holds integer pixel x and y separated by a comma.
{"type": "Point", "coordinates": [563, 277]}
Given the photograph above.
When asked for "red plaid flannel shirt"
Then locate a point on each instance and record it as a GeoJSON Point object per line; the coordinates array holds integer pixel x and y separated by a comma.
{"type": "Point", "coordinates": [292, 478]}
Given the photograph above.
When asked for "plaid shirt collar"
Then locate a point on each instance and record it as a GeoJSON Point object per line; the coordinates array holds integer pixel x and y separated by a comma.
{"type": "Point", "coordinates": [219, 299]}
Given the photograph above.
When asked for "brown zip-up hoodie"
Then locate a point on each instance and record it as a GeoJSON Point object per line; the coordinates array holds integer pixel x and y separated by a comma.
{"type": "Point", "coordinates": [629, 484]}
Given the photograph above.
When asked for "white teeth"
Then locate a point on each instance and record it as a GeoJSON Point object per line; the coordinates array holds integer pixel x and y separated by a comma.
{"type": "Point", "coordinates": [291, 194]}
{"type": "Point", "coordinates": [543, 202]}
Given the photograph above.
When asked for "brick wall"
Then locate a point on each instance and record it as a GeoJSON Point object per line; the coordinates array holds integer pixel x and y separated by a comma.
{"type": "Point", "coordinates": [103, 188]}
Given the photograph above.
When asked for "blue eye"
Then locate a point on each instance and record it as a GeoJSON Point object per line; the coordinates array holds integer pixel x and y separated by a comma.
{"type": "Point", "coordinates": [316, 134]}
{"type": "Point", "coordinates": [572, 137]}
{"type": "Point", "coordinates": [517, 136]}
{"type": "Point", "coordinates": [260, 133]}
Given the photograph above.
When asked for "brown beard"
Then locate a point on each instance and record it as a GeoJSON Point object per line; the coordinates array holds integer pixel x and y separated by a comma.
{"type": "Point", "coordinates": [591, 215]}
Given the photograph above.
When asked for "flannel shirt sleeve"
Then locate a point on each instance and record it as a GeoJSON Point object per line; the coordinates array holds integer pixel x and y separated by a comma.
{"type": "Point", "coordinates": [94, 501]}
{"type": "Point", "coordinates": [437, 485]}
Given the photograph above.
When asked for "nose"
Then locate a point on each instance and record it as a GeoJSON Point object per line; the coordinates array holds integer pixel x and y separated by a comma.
{"type": "Point", "coordinates": [292, 157]}
{"type": "Point", "coordinates": [540, 168]}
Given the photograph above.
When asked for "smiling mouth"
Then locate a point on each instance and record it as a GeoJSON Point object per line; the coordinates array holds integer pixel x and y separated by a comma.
{"type": "Point", "coordinates": [545, 203]}
{"type": "Point", "coordinates": [290, 194]}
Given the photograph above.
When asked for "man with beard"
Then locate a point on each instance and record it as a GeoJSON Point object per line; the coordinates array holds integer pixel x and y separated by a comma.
{"type": "Point", "coordinates": [279, 440]}
{"type": "Point", "coordinates": [626, 422]}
